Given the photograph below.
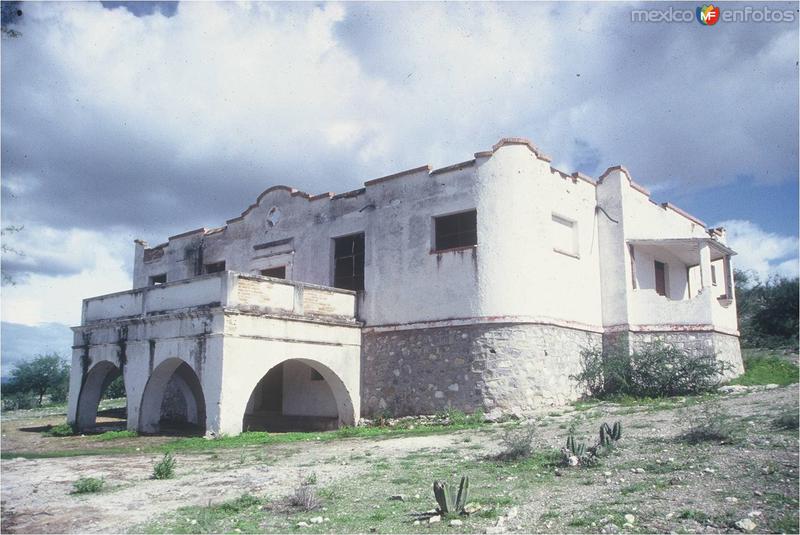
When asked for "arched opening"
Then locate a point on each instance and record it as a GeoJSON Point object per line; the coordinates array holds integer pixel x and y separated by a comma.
{"type": "Point", "coordinates": [104, 380]}
{"type": "Point", "coordinates": [297, 394]}
{"type": "Point", "coordinates": [173, 401]}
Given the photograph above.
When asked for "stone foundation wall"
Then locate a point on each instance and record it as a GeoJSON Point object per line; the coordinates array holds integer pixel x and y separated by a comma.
{"type": "Point", "coordinates": [724, 346]}
{"type": "Point", "coordinates": [496, 368]}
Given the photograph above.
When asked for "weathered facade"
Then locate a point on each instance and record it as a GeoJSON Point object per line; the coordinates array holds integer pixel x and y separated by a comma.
{"type": "Point", "coordinates": [474, 286]}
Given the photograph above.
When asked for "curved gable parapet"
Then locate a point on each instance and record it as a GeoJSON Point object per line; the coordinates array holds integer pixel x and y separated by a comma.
{"type": "Point", "coordinates": [646, 192]}
{"type": "Point", "coordinates": [507, 141]}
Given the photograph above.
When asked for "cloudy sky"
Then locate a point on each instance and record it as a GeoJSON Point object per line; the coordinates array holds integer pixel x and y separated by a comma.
{"type": "Point", "coordinates": [123, 121]}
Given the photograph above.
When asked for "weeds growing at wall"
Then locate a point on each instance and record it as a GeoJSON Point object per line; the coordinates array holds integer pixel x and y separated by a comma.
{"type": "Point", "coordinates": [654, 370]}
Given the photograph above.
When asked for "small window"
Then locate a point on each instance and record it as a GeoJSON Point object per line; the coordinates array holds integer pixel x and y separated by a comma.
{"type": "Point", "coordinates": [316, 376]}
{"type": "Point", "coordinates": [661, 278]}
{"type": "Point", "coordinates": [457, 230]}
{"type": "Point", "coordinates": [565, 236]}
{"type": "Point", "coordinates": [276, 272]}
{"type": "Point", "coordinates": [158, 280]}
{"type": "Point", "coordinates": [216, 267]}
{"type": "Point", "coordinates": [348, 262]}
{"type": "Point", "coordinates": [714, 275]}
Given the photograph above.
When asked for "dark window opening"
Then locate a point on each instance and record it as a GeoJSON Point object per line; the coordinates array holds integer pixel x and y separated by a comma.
{"type": "Point", "coordinates": [714, 275]}
{"type": "Point", "coordinates": [661, 278]}
{"type": "Point", "coordinates": [348, 262]}
{"type": "Point", "coordinates": [157, 280]}
{"type": "Point", "coordinates": [457, 230]}
{"type": "Point", "coordinates": [216, 267]}
{"type": "Point", "coordinates": [276, 272]}
{"type": "Point", "coordinates": [316, 376]}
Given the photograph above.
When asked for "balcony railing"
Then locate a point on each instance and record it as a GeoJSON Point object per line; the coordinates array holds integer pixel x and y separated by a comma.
{"type": "Point", "coordinates": [228, 289]}
{"type": "Point", "coordinates": [704, 309]}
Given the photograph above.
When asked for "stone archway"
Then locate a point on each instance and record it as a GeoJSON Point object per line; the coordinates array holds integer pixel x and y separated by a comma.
{"type": "Point", "coordinates": [298, 394]}
{"type": "Point", "coordinates": [94, 385]}
{"type": "Point", "coordinates": [173, 397]}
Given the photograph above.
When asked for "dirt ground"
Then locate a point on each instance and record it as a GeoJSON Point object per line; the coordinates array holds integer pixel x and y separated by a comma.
{"type": "Point", "coordinates": [654, 476]}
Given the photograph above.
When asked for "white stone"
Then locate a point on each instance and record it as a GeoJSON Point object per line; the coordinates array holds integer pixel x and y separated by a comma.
{"type": "Point", "coordinates": [456, 522]}
{"type": "Point", "coordinates": [434, 519]}
{"type": "Point", "coordinates": [746, 524]}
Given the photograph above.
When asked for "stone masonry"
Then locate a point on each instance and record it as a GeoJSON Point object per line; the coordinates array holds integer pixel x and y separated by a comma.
{"type": "Point", "coordinates": [496, 368]}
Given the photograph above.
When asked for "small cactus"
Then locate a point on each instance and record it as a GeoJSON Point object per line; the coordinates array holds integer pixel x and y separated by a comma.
{"type": "Point", "coordinates": [576, 448]}
{"type": "Point", "coordinates": [605, 435]}
{"type": "Point", "coordinates": [616, 431]}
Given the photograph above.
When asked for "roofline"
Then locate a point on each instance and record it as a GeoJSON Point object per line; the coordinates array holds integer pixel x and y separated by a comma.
{"type": "Point", "coordinates": [646, 192]}
{"type": "Point", "coordinates": [503, 142]}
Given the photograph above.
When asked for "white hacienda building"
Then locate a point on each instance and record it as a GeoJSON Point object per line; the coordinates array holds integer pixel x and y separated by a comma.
{"type": "Point", "coordinates": [474, 286]}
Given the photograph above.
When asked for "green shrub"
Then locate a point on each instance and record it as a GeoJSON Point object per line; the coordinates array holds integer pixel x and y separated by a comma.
{"type": "Point", "coordinates": [304, 497]}
{"type": "Point", "coordinates": [61, 430]}
{"type": "Point", "coordinates": [711, 423]}
{"type": "Point", "coordinates": [654, 370]}
{"type": "Point", "coordinates": [517, 443]}
{"type": "Point", "coordinates": [788, 420]}
{"type": "Point", "coordinates": [165, 468]}
{"type": "Point", "coordinates": [19, 401]}
{"type": "Point", "coordinates": [88, 485]}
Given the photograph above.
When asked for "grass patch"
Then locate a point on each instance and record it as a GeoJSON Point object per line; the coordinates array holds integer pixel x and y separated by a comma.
{"type": "Point", "coordinates": [88, 485]}
{"type": "Point", "coordinates": [114, 435]}
{"type": "Point", "coordinates": [60, 430]}
{"type": "Point", "coordinates": [762, 367]}
{"type": "Point", "coordinates": [693, 514]}
{"type": "Point", "coordinates": [259, 438]}
{"type": "Point", "coordinates": [360, 504]}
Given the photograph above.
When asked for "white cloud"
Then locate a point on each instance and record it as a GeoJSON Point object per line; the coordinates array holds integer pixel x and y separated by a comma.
{"type": "Point", "coordinates": [762, 252]}
{"type": "Point", "coordinates": [225, 99]}
{"type": "Point", "coordinates": [93, 263]}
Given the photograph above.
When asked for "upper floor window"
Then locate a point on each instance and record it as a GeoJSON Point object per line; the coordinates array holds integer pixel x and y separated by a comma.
{"type": "Point", "coordinates": [348, 262]}
{"type": "Point", "coordinates": [457, 230]}
{"type": "Point", "coordinates": [157, 280]}
{"type": "Point", "coordinates": [565, 235]}
{"type": "Point", "coordinates": [275, 272]}
{"type": "Point", "coordinates": [216, 267]}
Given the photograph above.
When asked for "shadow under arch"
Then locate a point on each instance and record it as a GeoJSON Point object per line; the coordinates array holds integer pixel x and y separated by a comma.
{"type": "Point", "coordinates": [94, 385]}
{"type": "Point", "coordinates": [173, 400]}
{"type": "Point", "coordinates": [298, 394]}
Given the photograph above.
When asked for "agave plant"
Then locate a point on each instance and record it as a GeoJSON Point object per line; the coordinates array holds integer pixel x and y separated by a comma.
{"type": "Point", "coordinates": [448, 505]}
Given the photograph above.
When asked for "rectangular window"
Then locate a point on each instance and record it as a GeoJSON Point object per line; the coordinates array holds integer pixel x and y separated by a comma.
{"type": "Point", "coordinates": [348, 262]}
{"type": "Point", "coordinates": [157, 280]}
{"type": "Point", "coordinates": [565, 236]}
{"type": "Point", "coordinates": [216, 267]}
{"type": "Point", "coordinates": [661, 278]}
{"type": "Point", "coordinates": [457, 230]}
{"type": "Point", "coordinates": [276, 272]}
{"type": "Point", "coordinates": [714, 275]}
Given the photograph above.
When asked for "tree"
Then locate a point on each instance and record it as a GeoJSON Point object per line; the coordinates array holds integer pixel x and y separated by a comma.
{"type": "Point", "coordinates": [10, 13]}
{"type": "Point", "coordinates": [44, 375]}
{"type": "Point", "coordinates": [768, 310]}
